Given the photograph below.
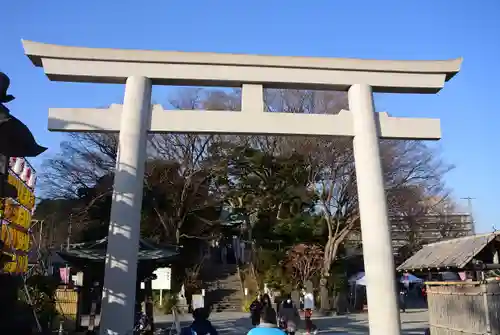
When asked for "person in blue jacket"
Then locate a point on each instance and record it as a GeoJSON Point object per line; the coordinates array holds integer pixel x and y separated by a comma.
{"type": "Point", "coordinates": [267, 324]}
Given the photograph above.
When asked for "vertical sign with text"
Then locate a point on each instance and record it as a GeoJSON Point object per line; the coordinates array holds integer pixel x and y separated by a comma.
{"type": "Point", "coordinates": [17, 212]}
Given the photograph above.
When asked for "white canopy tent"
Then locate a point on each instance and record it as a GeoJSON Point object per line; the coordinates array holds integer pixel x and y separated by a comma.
{"type": "Point", "coordinates": [409, 278]}
{"type": "Point", "coordinates": [360, 279]}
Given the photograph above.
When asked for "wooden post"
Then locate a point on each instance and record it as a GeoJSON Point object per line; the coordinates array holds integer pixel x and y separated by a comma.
{"type": "Point", "coordinates": [79, 306]}
{"type": "Point", "coordinates": [484, 291]}
{"type": "Point", "coordinates": [149, 305]}
{"type": "Point", "coordinates": [295, 296]}
{"type": "Point", "coordinates": [95, 293]}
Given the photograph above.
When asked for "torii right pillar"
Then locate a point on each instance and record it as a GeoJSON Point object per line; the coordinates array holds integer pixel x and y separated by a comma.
{"type": "Point", "coordinates": [373, 209]}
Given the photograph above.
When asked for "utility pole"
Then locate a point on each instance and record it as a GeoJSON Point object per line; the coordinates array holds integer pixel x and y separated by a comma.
{"type": "Point", "coordinates": [469, 209]}
{"type": "Point", "coordinates": [70, 227]}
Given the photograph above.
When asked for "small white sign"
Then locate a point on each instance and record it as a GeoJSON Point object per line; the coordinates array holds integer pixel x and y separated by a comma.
{"type": "Point", "coordinates": [163, 279]}
{"type": "Point", "coordinates": [78, 279]}
{"type": "Point", "coordinates": [197, 301]}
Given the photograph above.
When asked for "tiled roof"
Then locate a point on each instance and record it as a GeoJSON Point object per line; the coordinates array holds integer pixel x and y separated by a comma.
{"type": "Point", "coordinates": [96, 251]}
{"type": "Point", "coordinates": [453, 253]}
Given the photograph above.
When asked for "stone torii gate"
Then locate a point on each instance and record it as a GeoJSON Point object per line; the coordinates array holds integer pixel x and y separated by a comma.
{"type": "Point", "coordinates": [140, 69]}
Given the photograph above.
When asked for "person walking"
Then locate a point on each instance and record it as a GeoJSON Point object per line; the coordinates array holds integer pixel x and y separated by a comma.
{"type": "Point", "coordinates": [403, 292]}
{"type": "Point", "coordinates": [223, 256]}
{"type": "Point", "coordinates": [266, 300]}
{"type": "Point", "coordinates": [255, 310]}
{"type": "Point", "coordinates": [289, 317]}
{"type": "Point", "coordinates": [310, 326]}
{"type": "Point", "coordinates": [201, 325]}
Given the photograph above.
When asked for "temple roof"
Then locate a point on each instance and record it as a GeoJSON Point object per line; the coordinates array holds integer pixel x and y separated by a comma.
{"type": "Point", "coordinates": [96, 251]}
{"type": "Point", "coordinates": [455, 253]}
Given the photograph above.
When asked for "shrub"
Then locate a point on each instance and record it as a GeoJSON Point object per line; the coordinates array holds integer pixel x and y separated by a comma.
{"type": "Point", "coordinates": [245, 306]}
{"type": "Point", "coordinates": [169, 301]}
{"type": "Point", "coordinates": [42, 291]}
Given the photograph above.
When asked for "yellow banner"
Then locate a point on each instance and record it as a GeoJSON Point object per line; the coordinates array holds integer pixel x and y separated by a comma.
{"type": "Point", "coordinates": [25, 196]}
{"type": "Point", "coordinates": [18, 265]}
{"type": "Point", "coordinates": [17, 214]}
{"type": "Point", "coordinates": [14, 239]}
{"type": "Point", "coordinates": [16, 220]}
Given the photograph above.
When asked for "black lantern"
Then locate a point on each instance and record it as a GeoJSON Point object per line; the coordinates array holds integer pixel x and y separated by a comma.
{"type": "Point", "coordinates": [16, 140]}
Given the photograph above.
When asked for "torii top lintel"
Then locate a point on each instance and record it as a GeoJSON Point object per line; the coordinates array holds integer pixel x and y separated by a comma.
{"type": "Point", "coordinates": [99, 65]}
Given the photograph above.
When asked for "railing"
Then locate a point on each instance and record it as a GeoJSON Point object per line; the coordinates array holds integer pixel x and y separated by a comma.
{"type": "Point", "coordinates": [67, 306]}
{"type": "Point", "coordinates": [242, 284]}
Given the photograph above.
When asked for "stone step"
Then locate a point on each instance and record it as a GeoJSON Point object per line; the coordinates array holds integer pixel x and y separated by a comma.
{"type": "Point", "coordinates": [227, 307]}
{"type": "Point", "coordinates": [231, 299]}
{"type": "Point", "coordinates": [223, 286]}
{"type": "Point", "coordinates": [223, 281]}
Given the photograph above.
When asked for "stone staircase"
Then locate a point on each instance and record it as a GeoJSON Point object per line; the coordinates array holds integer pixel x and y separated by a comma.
{"type": "Point", "coordinates": [223, 287]}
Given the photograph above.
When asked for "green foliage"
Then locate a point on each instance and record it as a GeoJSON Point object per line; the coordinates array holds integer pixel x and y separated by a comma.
{"type": "Point", "coordinates": [264, 186]}
{"type": "Point", "coordinates": [169, 301]}
{"type": "Point", "coordinates": [270, 271]}
{"type": "Point", "coordinates": [274, 278]}
{"type": "Point", "coordinates": [42, 291]}
{"type": "Point", "coordinates": [339, 282]}
{"type": "Point", "coordinates": [299, 229]}
{"type": "Point", "coordinates": [250, 282]}
{"type": "Point", "coordinates": [269, 259]}
{"type": "Point", "coordinates": [245, 306]}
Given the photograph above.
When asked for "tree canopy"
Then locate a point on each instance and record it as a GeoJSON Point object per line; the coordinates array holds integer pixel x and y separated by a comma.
{"type": "Point", "coordinates": [292, 191]}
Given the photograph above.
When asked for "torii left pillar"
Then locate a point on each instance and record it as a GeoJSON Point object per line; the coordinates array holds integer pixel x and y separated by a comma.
{"type": "Point", "coordinates": [118, 301]}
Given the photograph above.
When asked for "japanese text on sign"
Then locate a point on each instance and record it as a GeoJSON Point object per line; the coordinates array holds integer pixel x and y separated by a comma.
{"type": "Point", "coordinates": [24, 195]}
{"type": "Point", "coordinates": [14, 239]}
{"type": "Point", "coordinates": [17, 214]}
{"type": "Point", "coordinates": [19, 264]}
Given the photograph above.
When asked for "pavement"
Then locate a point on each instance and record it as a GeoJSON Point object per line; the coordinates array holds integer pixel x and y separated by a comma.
{"type": "Point", "coordinates": [413, 322]}
{"type": "Point", "coordinates": [227, 323]}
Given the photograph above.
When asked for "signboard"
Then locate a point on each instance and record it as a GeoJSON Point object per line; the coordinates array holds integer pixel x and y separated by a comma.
{"type": "Point", "coordinates": [163, 279]}
{"type": "Point", "coordinates": [19, 264]}
{"type": "Point", "coordinates": [197, 301]}
{"type": "Point", "coordinates": [16, 214]}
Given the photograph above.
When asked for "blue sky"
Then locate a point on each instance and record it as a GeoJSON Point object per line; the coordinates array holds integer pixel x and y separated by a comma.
{"type": "Point", "coordinates": [390, 29]}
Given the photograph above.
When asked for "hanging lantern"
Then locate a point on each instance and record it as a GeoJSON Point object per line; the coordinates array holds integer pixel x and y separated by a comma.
{"type": "Point", "coordinates": [25, 173]}
{"type": "Point", "coordinates": [18, 166]}
{"type": "Point", "coordinates": [15, 137]}
{"type": "Point", "coordinates": [32, 180]}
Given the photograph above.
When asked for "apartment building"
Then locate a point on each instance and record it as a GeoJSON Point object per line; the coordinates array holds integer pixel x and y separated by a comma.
{"type": "Point", "coordinates": [429, 228]}
{"type": "Point", "coordinates": [422, 229]}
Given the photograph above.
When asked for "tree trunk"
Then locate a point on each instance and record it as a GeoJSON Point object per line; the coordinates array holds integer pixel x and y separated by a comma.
{"type": "Point", "coordinates": [331, 249]}
{"type": "Point", "coordinates": [149, 306]}
{"type": "Point", "coordinates": [325, 273]}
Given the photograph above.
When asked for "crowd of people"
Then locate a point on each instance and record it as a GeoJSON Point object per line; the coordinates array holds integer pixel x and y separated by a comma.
{"type": "Point", "coordinates": [285, 320]}
{"type": "Point", "coordinates": [266, 320]}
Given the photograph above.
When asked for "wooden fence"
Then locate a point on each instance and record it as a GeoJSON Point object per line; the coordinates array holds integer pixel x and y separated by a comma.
{"type": "Point", "coordinates": [67, 306]}
{"type": "Point", "coordinates": [464, 308]}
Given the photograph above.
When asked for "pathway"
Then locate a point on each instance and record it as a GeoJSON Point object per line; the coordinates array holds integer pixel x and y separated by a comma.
{"type": "Point", "coordinates": [414, 322]}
